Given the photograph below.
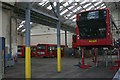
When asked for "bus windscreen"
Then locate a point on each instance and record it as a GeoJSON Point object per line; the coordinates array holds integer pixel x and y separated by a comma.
{"type": "Point", "coordinates": [92, 24]}
{"type": "Point", "coordinates": [41, 47]}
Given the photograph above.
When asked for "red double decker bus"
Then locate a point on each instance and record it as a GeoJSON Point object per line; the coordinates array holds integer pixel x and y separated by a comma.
{"type": "Point", "coordinates": [94, 28]}
{"type": "Point", "coordinates": [48, 50]}
{"type": "Point", "coordinates": [21, 51]}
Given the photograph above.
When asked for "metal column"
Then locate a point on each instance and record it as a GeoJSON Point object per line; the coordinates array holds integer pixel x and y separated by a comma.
{"type": "Point", "coordinates": [58, 39]}
{"type": "Point", "coordinates": [10, 43]}
{"type": "Point", "coordinates": [65, 38]}
{"type": "Point", "coordinates": [27, 40]}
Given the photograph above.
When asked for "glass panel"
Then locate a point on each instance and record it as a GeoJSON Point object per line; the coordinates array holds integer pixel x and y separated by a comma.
{"type": "Point", "coordinates": [92, 24]}
{"type": "Point", "coordinates": [74, 38]}
{"type": "Point", "coordinates": [52, 48]}
{"type": "Point", "coordinates": [41, 47]}
{"type": "Point", "coordinates": [20, 48]}
{"type": "Point", "coordinates": [33, 48]}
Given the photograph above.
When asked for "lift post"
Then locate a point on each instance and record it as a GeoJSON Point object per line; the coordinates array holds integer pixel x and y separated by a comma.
{"type": "Point", "coordinates": [83, 65]}
{"type": "Point", "coordinates": [95, 55]}
{"type": "Point", "coordinates": [118, 61]}
{"type": "Point", "coordinates": [27, 40]}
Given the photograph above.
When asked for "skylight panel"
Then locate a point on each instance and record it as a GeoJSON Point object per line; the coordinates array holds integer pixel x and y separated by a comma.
{"type": "Point", "coordinates": [75, 10]}
{"type": "Point", "coordinates": [40, 3]}
{"type": "Point", "coordinates": [94, 0]}
{"type": "Point", "coordinates": [65, 17]}
{"type": "Point", "coordinates": [90, 7]}
{"type": "Point", "coordinates": [77, 0]}
{"type": "Point", "coordinates": [76, 4]}
{"type": "Point", "coordinates": [49, 7]}
{"type": "Point", "coordinates": [103, 7]}
{"type": "Point", "coordinates": [23, 30]}
{"type": "Point", "coordinates": [83, 2]}
{"type": "Point", "coordinates": [69, 14]}
{"type": "Point", "coordinates": [22, 22]}
{"type": "Point", "coordinates": [71, 7]}
{"type": "Point", "coordinates": [31, 22]}
{"type": "Point", "coordinates": [98, 7]}
{"type": "Point", "coordinates": [97, 3]}
{"type": "Point", "coordinates": [87, 5]}
{"type": "Point", "coordinates": [61, 0]}
{"type": "Point", "coordinates": [65, 4]}
{"type": "Point", "coordinates": [74, 20]}
{"type": "Point", "coordinates": [103, 4]}
{"type": "Point", "coordinates": [44, 3]}
{"type": "Point", "coordinates": [18, 28]}
{"type": "Point", "coordinates": [63, 12]}
{"type": "Point", "coordinates": [61, 7]}
{"type": "Point", "coordinates": [73, 17]}
{"type": "Point", "coordinates": [21, 26]}
{"type": "Point", "coordinates": [78, 8]}
{"type": "Point", "coordinates": [54, 3]}
{"type": "Point", "coordinates": [70, 1]}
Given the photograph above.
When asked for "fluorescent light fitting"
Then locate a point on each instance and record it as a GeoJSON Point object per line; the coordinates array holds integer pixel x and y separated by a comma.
{"type": "Point", "coordinates": [73, 17]}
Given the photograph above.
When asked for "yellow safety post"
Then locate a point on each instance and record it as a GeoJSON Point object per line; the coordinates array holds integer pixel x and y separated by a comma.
{"type": "Point", "coordinates": [59, 59]}
{"type": "Point", "coordinates": [28, 63]}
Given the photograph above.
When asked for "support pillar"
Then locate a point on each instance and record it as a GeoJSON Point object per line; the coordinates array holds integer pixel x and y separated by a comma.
{"type": "Point", "coordinates": [58, 40]}
{"type": "Point", "coordinates": [27, 40]}
{"type": "Point", "coordinates": [65, 38]}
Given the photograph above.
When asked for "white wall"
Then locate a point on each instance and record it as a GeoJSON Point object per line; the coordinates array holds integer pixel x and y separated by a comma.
{"type": "Point", "coordinates": [19, 40]}
{"type": "Point", "coordinates": [50, 39]}
{"type": "Point", "coordinates": [6, 30]}
{"type": "Point", "coordinates": [47, 35]}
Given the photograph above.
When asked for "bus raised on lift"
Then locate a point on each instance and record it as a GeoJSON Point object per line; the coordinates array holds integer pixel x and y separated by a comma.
{"type": "Point", "coordinates": [94, 28]}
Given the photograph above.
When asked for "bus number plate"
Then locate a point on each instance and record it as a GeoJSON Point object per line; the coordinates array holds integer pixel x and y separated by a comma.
{"type": "Point", "coordinates": [92, 40]}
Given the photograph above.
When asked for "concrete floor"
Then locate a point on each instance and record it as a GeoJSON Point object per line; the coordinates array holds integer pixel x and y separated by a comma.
{"type": "Point", "coordinates": [47, 68]}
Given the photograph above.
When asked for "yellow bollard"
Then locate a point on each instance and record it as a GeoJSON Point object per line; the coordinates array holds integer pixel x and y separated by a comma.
{"type": "Point", "coordinates": [59, 59]}
{"type": "Point", "coordinates": [28, 63]}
